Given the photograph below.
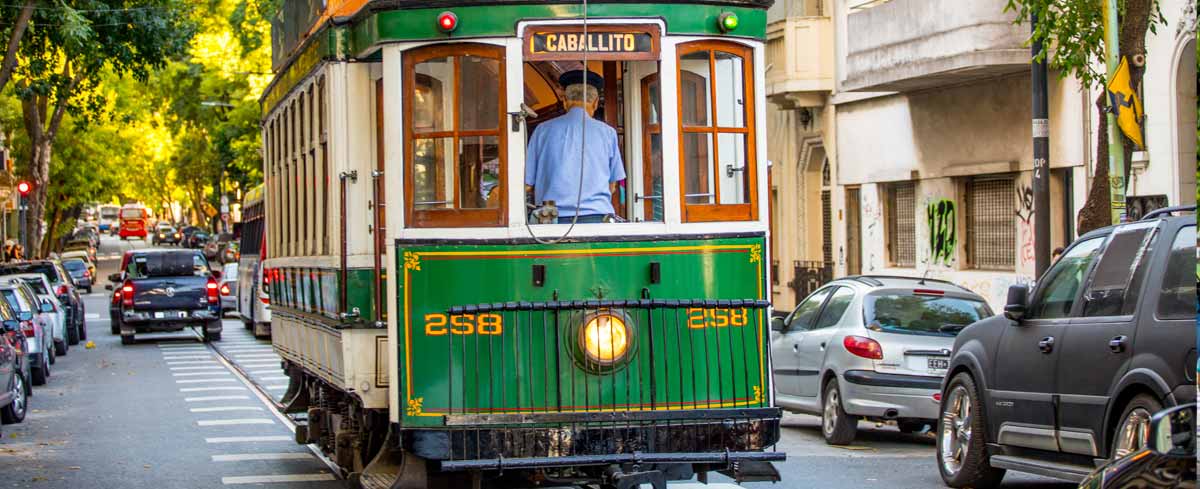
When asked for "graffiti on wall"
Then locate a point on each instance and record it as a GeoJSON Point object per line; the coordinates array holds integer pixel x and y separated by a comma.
{"type": "Point", "coordinates": [1025, 224]}
{"type": "Point", "coordinates": [943, 233]}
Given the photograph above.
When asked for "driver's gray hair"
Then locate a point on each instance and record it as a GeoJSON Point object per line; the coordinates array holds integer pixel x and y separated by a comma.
{"type": "Point", "coordinates": [581, 91]}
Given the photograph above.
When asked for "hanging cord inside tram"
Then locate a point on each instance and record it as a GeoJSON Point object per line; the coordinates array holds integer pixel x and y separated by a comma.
{"type": "Point", "coordinates": [582, 144]}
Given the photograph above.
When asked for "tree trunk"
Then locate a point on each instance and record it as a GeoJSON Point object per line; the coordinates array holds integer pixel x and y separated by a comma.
{"type": "Point", "coordinates": [39, 164]}
{"type": "Point", "coordinates": [1097, 211]}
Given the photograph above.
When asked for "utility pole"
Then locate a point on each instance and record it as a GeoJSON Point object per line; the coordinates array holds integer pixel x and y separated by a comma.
{"type": "Point", "coordinates": [1041, 158]}
{"type": "Point", "coordinates": [1116, 151]}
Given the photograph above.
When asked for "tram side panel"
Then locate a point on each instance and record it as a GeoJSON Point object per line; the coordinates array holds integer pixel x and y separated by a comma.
{"type": "Point", "coordinates": [672, 334]}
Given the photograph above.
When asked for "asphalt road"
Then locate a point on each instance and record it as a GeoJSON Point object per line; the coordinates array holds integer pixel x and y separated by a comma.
{"type": "Point", "coordinates": [171, 412]}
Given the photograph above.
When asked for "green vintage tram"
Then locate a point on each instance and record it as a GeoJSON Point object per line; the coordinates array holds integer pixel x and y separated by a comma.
{"type": "Point", "coordinates": [435, 332]}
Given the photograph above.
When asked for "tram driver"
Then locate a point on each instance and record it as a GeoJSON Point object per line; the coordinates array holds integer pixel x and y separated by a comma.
{"type": "Point", "coordinates": [553, 166]}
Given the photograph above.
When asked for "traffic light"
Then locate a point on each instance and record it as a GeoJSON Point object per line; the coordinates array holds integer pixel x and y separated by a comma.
{"type": "Point", "coordinates": [24, 188]}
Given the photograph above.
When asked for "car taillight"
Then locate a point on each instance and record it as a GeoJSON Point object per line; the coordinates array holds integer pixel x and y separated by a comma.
{"type": "Point", "coordinates": [62, 289]}
{"type": "Point", "coordinates": [264, 293]}
{"type": "Point", "coordinates": [116, 298]}
{"type": "Point", "coordinates": [225, 289]}
{"type": "Point", "coordinates": [863, 347]}
{"type": "Point", "coordinates": [87, 274]}
{"type": "Point", "coordinates": [127, 291]}
{"type": "Point", "coordinates": [211, 289]}
{"type": "Point", "coordinates": [27, 328]}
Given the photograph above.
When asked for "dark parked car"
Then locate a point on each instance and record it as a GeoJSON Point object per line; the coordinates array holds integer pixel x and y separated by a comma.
{"type": "Point", "coordinates": [64, 289]}
{"type": "Point", "coordinates": [80, 272]}
{"type": "Point", "coordinates": [1058, 381]}
{"type": "Point", "coordinates": [14, 369]}
{"type": "Point", "coordinates": [1169, 462]}
{"type": "Point", "coordinates": [198, 239]}
{"type": "Point", "coordinates": [168, 290]}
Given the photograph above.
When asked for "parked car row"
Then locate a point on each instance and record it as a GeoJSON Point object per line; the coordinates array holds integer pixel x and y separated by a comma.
{"type": "Point", "coordinates": [41, 317]}
{"type": "Point", "coordinates": [1068, 378]}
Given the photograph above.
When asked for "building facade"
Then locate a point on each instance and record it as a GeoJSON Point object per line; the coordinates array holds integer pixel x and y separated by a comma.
{"type": "Point", "coordinates": [917, 161]}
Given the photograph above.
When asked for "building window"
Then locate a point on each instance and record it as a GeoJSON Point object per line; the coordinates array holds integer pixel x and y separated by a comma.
{"type": "Point", "coordinates": [716, 132]}
{"type": "Point", "coordinates": [900, 212]}
{"type": "Point", "coordinates": [455, 140]}
{"type": "Point", "coordinates": [991, 235]}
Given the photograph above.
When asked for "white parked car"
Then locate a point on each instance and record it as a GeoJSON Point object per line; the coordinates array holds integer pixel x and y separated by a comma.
{"type": "Point", "coordinates": [56, 321]}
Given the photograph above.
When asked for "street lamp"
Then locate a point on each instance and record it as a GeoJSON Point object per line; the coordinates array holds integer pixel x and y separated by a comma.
{"type": "Point", "coordinates": [221, 180]}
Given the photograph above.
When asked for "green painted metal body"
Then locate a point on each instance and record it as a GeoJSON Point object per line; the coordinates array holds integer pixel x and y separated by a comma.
{"type": "Point", "coordinates": [314, 292]}
{"type": "Point", "coordinates": [678, 359]}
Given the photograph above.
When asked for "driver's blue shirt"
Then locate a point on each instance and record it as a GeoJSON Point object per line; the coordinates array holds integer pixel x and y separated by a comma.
{"type": "Point", "coordinates": [552, 164]}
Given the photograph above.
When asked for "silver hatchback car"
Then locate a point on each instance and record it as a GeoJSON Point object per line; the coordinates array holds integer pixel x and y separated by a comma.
{"type": "Point", "coordinates": [870, 347]}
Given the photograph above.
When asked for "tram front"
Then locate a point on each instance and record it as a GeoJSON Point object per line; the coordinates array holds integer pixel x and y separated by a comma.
{"type": "Point", "coordinates": [579, 243]}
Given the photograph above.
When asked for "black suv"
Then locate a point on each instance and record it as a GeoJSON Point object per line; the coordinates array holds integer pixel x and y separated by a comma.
{"type": "Point", "coordinates": [168, 290]}
{"type": "Point", "coordinates": [64, 289]}
{"type": "Point", "coordinates": [1070, 375]}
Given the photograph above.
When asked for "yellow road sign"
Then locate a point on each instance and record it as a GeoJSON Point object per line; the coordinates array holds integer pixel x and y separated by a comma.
{"type": "Point", "coordinates": [1124, 102]}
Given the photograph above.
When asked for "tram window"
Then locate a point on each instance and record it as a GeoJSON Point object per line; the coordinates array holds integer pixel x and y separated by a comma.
{"type": "Point", "coordinates": [455, 143]}
{"type": "Point", "coordinates": [717, 159]}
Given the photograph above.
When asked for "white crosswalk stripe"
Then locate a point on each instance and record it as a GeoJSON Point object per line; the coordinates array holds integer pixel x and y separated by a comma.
{"type": "Point", "coordinates": [242, 457]}
{"type": "Point", "coordinates": [197, 374]}
{"type": "Point", "coordinates": [264, 479]}
{"type": "Point", "coordinates": [204, 381]}
{"type": "Point", "coordinates": [225, 409]}
{"type": "Point", "coordinates": [233, 422]}
{"type": "Point", "coordinates": [215, 398]}
{"type": "Point", "coordinates": [247, 439]}
{"type": "Point", "coordinates": [199, 368]}
{"type": "Point", "coordinates": [205, 389]}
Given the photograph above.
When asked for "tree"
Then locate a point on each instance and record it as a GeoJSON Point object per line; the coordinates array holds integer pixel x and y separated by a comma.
{"type": "Point", "coordinates": [19, 24]}
{"type": "Point", "coordinates": [67, 52]}
{"type": "Point", "coordinates": [1074, 32]}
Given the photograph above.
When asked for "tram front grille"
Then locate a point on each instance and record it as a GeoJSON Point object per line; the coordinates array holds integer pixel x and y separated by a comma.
{"type": "Point", "coordinates": [692, 378]}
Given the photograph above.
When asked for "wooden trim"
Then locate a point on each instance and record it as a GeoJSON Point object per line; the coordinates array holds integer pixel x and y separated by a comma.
{"type": "Point", "coordinates": [456, 216]}
{"type": "Point", "coordinates": [594, 55]}
{"type": "Point", "coordinates": [717, 211]}
{"type": "Point", "coordinates": [648, 130]}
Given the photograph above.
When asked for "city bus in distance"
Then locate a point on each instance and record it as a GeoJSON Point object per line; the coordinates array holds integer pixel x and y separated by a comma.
{"type": "Point", "coordinates": [254, 304]}
{"type": "Point", "coordinates": [109, 214]}
{"type": "Point", "coordinates": [135, 222]}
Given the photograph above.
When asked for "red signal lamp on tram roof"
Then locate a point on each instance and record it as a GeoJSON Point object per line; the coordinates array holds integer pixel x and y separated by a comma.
{"type": "Point", "coordinates": [447, 22]}
{"type": "Point", "coordinates": [24, 188]}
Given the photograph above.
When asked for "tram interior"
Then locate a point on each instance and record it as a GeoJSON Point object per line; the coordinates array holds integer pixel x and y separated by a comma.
{"type": "Point", "coordinates": [630, 102]}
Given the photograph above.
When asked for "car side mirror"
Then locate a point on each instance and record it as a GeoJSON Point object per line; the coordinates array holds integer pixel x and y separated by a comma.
{"type": "Point", "coordinates": [47, 307]}
{"type": "Point", "coordinates": [216, 274]}
{"type": "Point", "coordinates": [777, 324]}
{"type": "Point", "coordinates": [26, 316]}
{"type": "Point", "coordinates": [108, 287]}
{"type": "Point", "coordinates": [1173, 432]}
{"type": "Point", "coordinates": [1018, 298]}
{"type": "Point", "coordinates": [11, 325]}
{"type": "Point", "coordinates": [114, 278]}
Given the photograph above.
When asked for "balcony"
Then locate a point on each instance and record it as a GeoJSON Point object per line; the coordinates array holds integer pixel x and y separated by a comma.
{"type": "Point", "coordinates": [800, 63]}
{"type": "Point", "coordinates": [906, 45]}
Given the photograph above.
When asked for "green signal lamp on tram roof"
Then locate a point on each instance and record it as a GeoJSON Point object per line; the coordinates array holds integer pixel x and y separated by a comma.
{"type": "Point", "coordinates": [727, 21]}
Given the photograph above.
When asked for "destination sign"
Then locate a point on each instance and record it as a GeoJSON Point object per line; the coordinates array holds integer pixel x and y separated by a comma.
{"type": "Point", "coordinates": [602, 42]}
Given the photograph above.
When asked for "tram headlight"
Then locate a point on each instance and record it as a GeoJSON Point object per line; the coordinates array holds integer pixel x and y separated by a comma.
{"type": "Point", "coordinates": [605, 338]}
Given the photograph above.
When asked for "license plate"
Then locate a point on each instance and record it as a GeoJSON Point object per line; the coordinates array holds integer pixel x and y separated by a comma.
{"type": "Point", "coordinates": [939, 363]}
{"type": "Point", "coordinates": [169, 314]}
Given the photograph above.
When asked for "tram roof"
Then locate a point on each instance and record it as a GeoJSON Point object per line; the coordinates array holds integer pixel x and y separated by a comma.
{"type": "Point", "coordinates": [378, 5]}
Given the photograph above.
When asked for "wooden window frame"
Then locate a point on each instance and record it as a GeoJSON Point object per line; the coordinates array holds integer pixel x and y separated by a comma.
{"type": "Point", "coordinates": [648, 131]}
{"type": "Point", "coordinates": [456, 217]}
{"type": "Point", "coordinates": [717, 211]}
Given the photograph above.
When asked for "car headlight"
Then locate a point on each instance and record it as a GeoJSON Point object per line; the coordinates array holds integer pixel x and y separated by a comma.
{"type": "Point", "coordinates": [605, 338]}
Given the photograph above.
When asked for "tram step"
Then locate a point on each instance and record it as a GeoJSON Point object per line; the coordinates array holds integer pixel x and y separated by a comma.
{"type": "Point", "coordinates": [376, 481]}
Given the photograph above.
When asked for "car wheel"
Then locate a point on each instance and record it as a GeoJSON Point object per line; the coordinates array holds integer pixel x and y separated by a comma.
{"type": "Point", "coordinates": [15, 411]}
{"type": "Point", "coordinates": [60, 348]}
{"type": "Point", "coordinates": [961, 447]}
{"type": "Point", "coordinates": [50, 353]}
{"type": "Point", "coordinates": [911, 426]}
{"type": "Point", "coordinates": [39, 374]}
{"type": "Point", "coordinates": [72, 334]}
{"type": "Point", "coordinates": [1133, 431]}
{"type": "Point", "coordinates": [127, 339]}
{"type": "Point", "coordinates": [211, 335]}
{"type": "Point", "coordinates": [83, 327]}
{"type": "Point", "coordinates": [838, 427]}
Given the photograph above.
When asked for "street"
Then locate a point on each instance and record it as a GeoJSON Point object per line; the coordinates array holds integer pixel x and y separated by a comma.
{"type": "Point", "coordinates": [171, 412]}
